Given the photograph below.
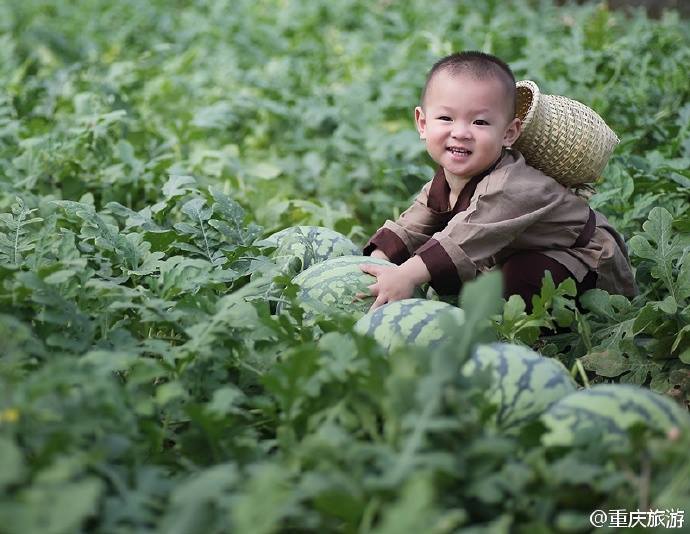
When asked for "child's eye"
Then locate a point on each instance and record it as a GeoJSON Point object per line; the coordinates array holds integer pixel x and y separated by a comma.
{"type": "Point", "coordinates": [444, 118]}
{"type": "Point", "coordinates": [481, 122]}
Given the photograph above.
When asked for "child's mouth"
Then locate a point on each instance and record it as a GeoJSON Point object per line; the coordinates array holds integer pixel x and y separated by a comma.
{"type": "Point", "coordinates": [459, 151]}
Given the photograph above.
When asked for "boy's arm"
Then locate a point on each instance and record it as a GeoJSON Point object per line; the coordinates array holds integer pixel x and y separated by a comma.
{"type": "Point", "coordinates": [399, 239]}
{"type": "Point", "coordinates": [505, 209]}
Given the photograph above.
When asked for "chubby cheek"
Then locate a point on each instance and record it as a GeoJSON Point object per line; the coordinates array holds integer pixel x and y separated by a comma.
{"type": "Point", "coordinates": [436, 138]}
{"type": "Point", "coordinates": [490, 142]}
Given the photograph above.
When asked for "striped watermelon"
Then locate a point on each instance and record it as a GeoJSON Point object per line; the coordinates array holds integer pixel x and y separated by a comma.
{"type": "Point", "coordinates": [329, 288]}
{"type": "Point", "coordinates": [524, 383]}
{"type": "Point", "coordinates": [300, 247]}
{"type": "Point", "coordinates": [611, 408]}
{"type": "Point", "coordinates": [408, 322]}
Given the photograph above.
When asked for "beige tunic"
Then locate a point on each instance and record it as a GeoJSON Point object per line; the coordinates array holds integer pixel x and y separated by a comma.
{"type": "Point", "coordinates": [513, 208]}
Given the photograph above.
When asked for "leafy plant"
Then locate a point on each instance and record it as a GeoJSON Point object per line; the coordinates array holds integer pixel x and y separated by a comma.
{"type": "Point", "coordinates": [145, 384]}
{"type": "Point", "coordinates": [17, 239]}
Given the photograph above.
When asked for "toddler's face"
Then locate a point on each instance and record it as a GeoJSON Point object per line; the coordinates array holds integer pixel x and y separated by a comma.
{"type": "Point", "coordinates": [465, 123]}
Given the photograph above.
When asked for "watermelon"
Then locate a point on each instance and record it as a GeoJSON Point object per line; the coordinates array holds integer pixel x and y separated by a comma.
{"type": "Point", "coordinates": [408, 322]}
{"type": "Point", "coordinates": [329, 288]}
{"type": "Point", "coordinates": [299, 247]}
{"type": "Point", "coordinates": [524, 383]}
{"type": "Point", "coordinates": [611, 409]}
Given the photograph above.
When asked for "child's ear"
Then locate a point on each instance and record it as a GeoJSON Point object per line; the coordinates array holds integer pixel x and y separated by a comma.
{"type": "Point", "coordinates": [420, 121]}
{"type": "Point", "coordinates": [512, 132]}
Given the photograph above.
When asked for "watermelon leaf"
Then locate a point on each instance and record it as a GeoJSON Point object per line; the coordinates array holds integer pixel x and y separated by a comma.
{"type": "Point", "coordinates": [662, 247]}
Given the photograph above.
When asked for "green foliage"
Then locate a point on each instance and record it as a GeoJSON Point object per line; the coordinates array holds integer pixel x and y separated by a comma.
{"type": "Point", "coordinates": [17, 238]}
{"type": "Point", "coordinates": [645, 341]}
{"type": "Point", "coordinates": [145, 385]}
{"type": "Point", "coordinates": [550, 309]}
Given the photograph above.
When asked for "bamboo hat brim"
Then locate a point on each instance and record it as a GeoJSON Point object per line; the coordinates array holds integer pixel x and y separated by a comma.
{"type": "Point", "coordinates": [562, 137]}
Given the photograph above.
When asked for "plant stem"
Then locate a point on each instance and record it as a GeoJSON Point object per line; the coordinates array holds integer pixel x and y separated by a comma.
{"type": "Point", "coordinates": [20, 217]}
{"type": "Point", "coordinates": [203, 233]}
{"type": "Point", "coordinates": [583, 374]}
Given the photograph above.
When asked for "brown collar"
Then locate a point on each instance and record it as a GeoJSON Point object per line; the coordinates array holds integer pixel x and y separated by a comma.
{"type": "Point", "coordinates": [439, 192]}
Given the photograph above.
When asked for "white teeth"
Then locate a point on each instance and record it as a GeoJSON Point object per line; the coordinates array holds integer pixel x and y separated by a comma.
{"type": "Point", "coordinates": [458, 150]}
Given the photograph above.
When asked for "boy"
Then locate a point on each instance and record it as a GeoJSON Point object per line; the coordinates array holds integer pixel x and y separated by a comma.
{"type": "Point", "coordinates": [485, 206]}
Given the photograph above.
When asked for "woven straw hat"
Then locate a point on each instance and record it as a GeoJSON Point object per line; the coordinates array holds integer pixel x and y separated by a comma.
{"type": "Point", "coordinates": [562, 137]}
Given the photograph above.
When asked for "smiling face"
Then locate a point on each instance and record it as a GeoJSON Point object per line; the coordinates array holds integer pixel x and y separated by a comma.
{"type": "Point", "coordinates": [465, 122]}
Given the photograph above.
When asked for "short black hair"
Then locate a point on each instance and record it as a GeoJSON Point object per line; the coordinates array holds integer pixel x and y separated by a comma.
{"type": "Point", "coordinates": [482, 66]}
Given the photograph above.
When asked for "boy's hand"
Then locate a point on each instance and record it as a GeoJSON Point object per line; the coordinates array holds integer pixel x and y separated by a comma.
{"type": "Point", "coordinates": [395, 283]}
{"type": "Point", "coordinates": [378, 253]}
{"type": "Point", "coordinates": [391, 284]}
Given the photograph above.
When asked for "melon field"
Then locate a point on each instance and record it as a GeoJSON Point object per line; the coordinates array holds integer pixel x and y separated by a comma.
{"type": "Point", "coordinates": [164, 367]}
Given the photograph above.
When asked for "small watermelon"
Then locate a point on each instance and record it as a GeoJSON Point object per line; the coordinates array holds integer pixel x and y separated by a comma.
{"type": "Point", "coordinates": [300, 247]}
{"type": "Point", "coordinates": [329, 288]}
{"type": "Point", "coordinates": [611, 408]}
{"type": "Point", "coordinates": [408, 322]}
{"type": "Point", "coordinates": [524, 383]}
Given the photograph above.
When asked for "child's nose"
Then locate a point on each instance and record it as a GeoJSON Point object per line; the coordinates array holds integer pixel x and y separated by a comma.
{"type": "Point", "coordinates": [460, 130]}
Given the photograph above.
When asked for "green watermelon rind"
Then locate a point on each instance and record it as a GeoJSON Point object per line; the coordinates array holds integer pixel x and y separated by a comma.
{"type": "Point", "coordinates": [524, 383]}
{"type": "Point", "coordinates": [319, 285]}
{"type": "Point", "coordinates": [300, 247]}
{"type": "Point", "coordinates": [413, 321]}
{"type": "Point", "coordinates": [612, 409]}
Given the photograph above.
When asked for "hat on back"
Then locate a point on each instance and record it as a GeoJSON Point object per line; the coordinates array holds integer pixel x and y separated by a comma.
{"type": "Point", "coordinates": [562, 137]}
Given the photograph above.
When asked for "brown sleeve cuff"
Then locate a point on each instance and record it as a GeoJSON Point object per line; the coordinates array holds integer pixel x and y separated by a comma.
{"type": "Point", "coordinates": [390, 244]}
{"type": "Point", "coordinates": [444, 276]}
